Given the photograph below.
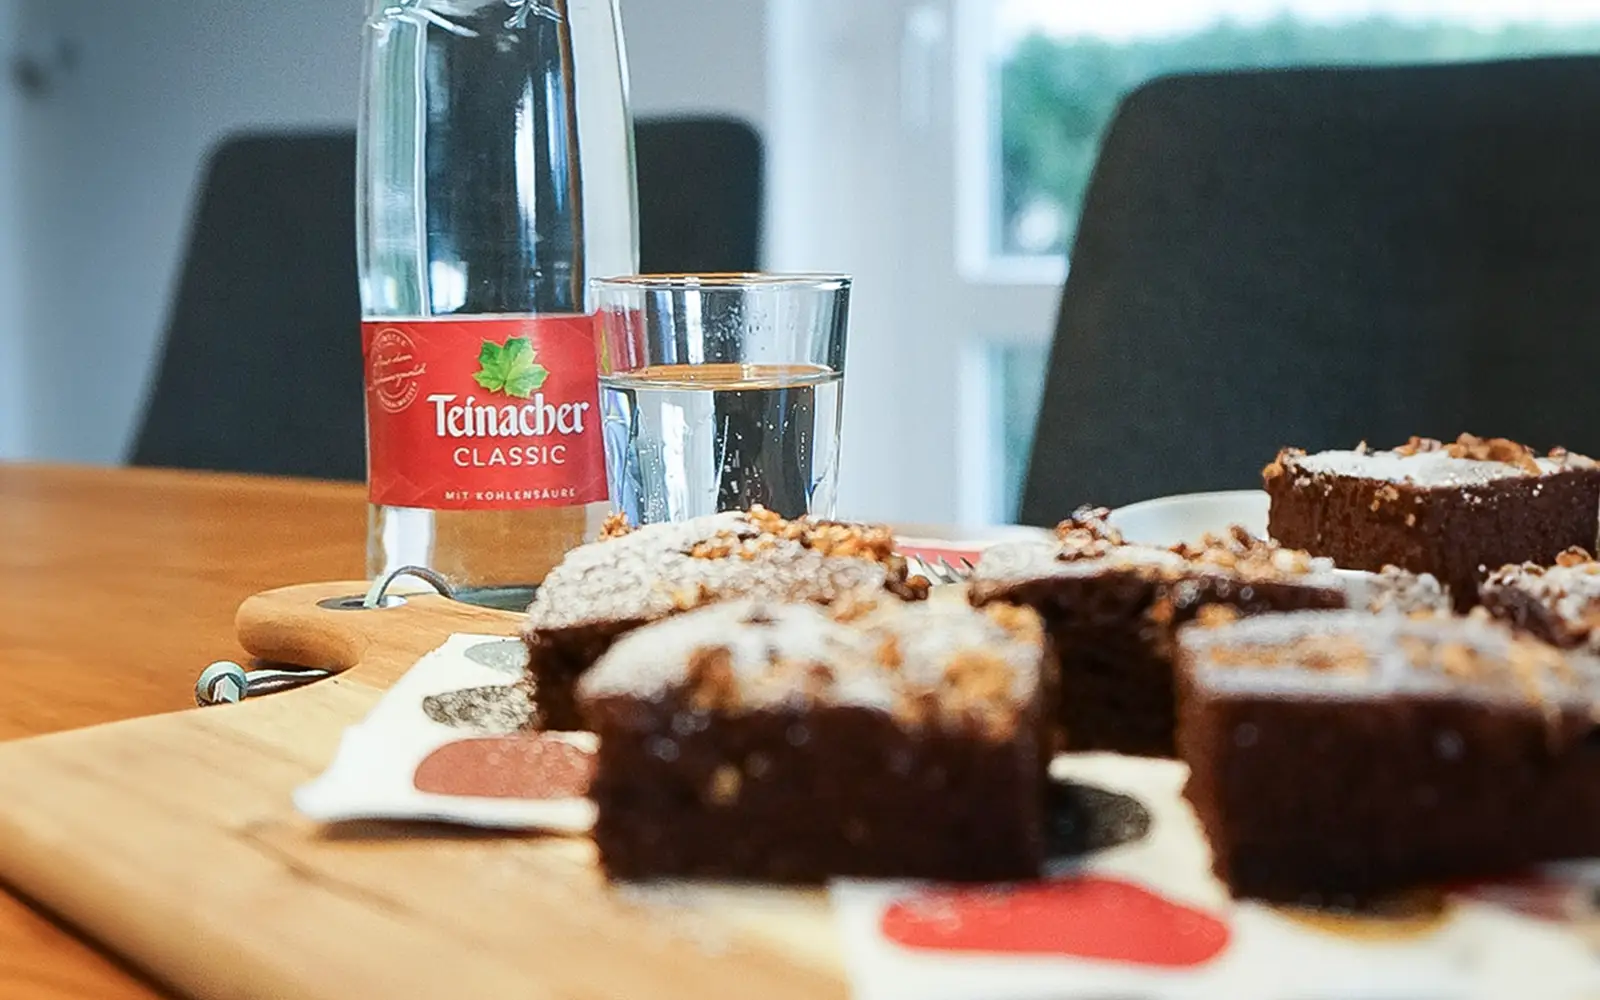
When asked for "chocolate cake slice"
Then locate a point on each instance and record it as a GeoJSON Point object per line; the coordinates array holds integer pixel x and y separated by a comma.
{"type": "Point", "coordinates": [635, 576]}
{"type": "Point", "coordinates": [791, 743]}
{"type": "Point", "coordinates": [1112, 610]}
{"type": "Point", "coordinates": [1453, 510]}
{"type": "Point", "coordinates": [1335, 756]}
{"type": "Point", "coordinates": [1559, 604]}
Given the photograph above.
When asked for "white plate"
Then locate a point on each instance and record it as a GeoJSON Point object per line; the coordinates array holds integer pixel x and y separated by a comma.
{"type": "Point", "coordinates": [1185, 518]}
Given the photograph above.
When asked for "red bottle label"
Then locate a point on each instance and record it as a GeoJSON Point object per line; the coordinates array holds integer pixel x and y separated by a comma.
{"type": "Point", "coordinates": [483, 414]}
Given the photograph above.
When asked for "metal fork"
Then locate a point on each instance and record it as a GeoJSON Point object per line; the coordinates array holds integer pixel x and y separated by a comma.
{"type": "Point", "coordinates": [941, 571]}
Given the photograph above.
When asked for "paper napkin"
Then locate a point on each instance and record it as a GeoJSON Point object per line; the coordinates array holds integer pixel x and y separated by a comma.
{"type": "Point", "coordinates": [1145, 920]}
{"type": "Point", "coordinates": [449, 742]}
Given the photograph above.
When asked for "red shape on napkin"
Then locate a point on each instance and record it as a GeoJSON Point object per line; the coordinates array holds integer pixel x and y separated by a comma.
{"type": "Point", "coordinates": [523, 766]}
{"type": "Point", "coordinates": [951, 552]}
{"type": "Point", "coordinates": [1096, 918]}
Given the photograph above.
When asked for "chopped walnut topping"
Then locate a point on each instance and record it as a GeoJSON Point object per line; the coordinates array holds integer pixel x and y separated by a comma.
{"type": "Point", "coordinates": [1571, 459]}
{"type": "Point", "coordinates": [615, 526]}
{"type": "Point", "coordinates": [773, 523]}
{"type": "Point", "coordinates": [723, 545]}
{"type": "Point", "coordinates": [1087, 534]}
{"type": "Point", "coordinates": [1215, 615]}
{"type": "Point", "coordinates": [912, 588]}
{"type": "Point", "coordinates": [725, 784]}
{"type": "Point", "coordinates": [978, 674]}
{"type": "Point", "coordinates": [1457, 660]}
{"type": "Point", "coordinates": [1417, 650]}
{"type": "Point", "coordinates": [853, 606]}
{"type": "Point", "coordinates": [1225, 549]}
{"type": "Point", "coordinates": [915, 708]}
{"type": "Point", "coordinates": [826, 538]}
{"type": "Point", "coordinates": [977, 684]}
{"type": "Point", "coordinates": [1095, 521]}
{"type": "Point", "coordinates": [1494, 450]}
{"type": "Point", "coordinates": [1242, 552]}
{"type": "Point", "coordinates": [1280, 465]}
{"type": "Point", "coordinates": [691, 598]}
{"type": "Point", "coordinates": [1419, 446]}
{"type": "Point", "coordinates": [844, 540]}
{"type": "Point", "coordinates": [1161, 611]}
{"type": "Point", "coordinates": [1336, 653]}
{"type": "Point", "coordinates": [1020, 621]}
{"type": "Point", "coordinates": [1574, 556]}
{"type": "Point", "coordinates": [1075, 547]}
{"type": "Point", "coordinates": [1363, 448]}
{"type": "Point", "coordinates": [711, 683]}
{"type": "Point", "coordinates": [1531, 662]}
{"type": "Point", "coordinates": [819, 678]}
{"type": "Point", "coordinates": [1329, 653]}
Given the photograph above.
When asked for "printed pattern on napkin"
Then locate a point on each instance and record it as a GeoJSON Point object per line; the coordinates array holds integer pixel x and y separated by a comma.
{"type": "Point", "coordinates": [1145, 920]}
{"type": "Point", "coordinates": [450, 743]}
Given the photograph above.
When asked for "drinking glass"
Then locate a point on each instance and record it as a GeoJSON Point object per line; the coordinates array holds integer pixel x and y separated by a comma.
{"type": "Point", "coordinates": [719, 391]}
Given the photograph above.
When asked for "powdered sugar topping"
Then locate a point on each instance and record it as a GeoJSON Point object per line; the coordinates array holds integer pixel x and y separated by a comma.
{"type": "Point", "coordinates": [1424, 468]}
{"type": "Point", "coordinates": [748, 655]}
{"type": "Point", "coordinates": [1013, 563]}
{"type": "Point", "coordinates": [1348, 654]}
{"type": "Point", "coordinates": [659, 569]}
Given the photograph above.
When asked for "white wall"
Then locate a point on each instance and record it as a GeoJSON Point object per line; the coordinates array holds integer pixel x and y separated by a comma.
{"type": "Point", "coordinates": [697, 55]}
{"type": "Point", "coordinates": [108, 167]}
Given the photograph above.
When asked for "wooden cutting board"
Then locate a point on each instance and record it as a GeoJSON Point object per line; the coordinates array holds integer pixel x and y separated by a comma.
{"type": "Point", "coordinates": [172, 840]}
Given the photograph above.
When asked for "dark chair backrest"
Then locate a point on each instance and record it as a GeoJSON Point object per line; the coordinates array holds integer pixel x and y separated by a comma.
{"type": "Point", "coordinates": [700, 194]}
{"type": "Point", "coordinates": [1317, 257]}
{"type": "Point", "coordinates": [261, 368]}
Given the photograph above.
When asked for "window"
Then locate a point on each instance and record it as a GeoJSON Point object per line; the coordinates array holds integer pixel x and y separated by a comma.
{"type": "Point", "coordinates": [1058, 70]}
{"type": "Point", "coordinates": [1016, 383]}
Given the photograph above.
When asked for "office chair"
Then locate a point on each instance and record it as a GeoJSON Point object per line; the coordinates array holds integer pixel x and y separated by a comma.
{"type": "Point", "coordinates": [1317, 257]}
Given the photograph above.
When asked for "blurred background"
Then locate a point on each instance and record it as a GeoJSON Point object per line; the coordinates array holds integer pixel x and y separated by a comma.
{"type": "Point", "coordinates": [938, 150]}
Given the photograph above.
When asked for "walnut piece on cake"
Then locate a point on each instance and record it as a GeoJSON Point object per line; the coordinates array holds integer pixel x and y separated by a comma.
{"type": "Point", "coordinates": [772, 741]}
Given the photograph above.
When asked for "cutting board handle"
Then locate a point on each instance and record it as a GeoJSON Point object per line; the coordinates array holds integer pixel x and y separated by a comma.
{"type": "Point", "coordinates": [323, 626]}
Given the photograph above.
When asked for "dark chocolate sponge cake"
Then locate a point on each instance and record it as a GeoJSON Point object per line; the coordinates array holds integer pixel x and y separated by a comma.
{"type": "Point", "coordinates": [1112, 610]}
{"type": "Point", "coordinates": [632, 577]}
{"type": "Point", "coordinates": [1335, 756]}
{"type": "Point", "coordinates": [791, 742]}
{"type": "Point", "coordinates": [1454, 510]}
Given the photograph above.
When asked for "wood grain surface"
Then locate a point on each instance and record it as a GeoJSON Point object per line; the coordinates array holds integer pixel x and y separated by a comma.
{"type": "Point", "coordinates": [116, 587]}
{"type": "Point", "coordinates": [173, 839]}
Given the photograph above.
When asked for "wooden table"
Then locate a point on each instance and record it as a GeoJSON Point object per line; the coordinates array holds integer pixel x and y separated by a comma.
{"type": "Point", "coordinates": [116, 588]}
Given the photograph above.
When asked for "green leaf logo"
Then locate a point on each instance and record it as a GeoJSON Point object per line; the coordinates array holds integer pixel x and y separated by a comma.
{"type": "Point", "coordinates": [510, 369]}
